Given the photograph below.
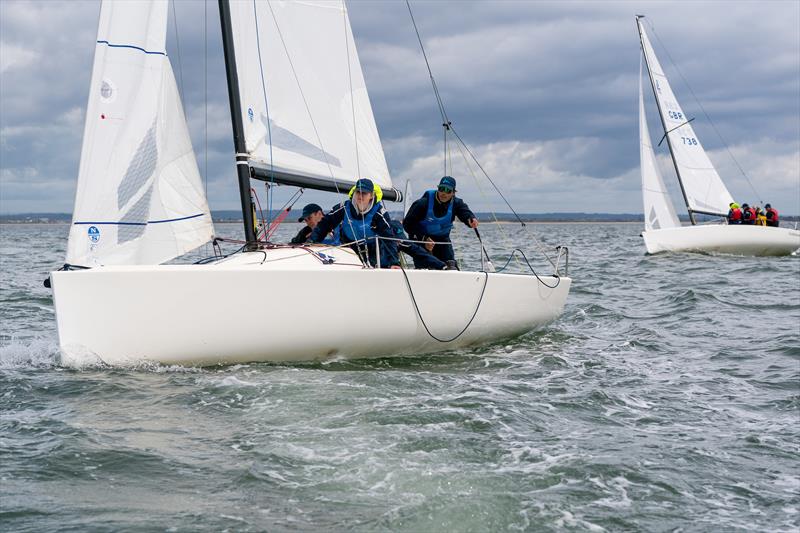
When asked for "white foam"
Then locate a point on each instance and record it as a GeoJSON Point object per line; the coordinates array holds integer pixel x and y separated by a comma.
{"type": "Point", "coordinates": [35, 353]}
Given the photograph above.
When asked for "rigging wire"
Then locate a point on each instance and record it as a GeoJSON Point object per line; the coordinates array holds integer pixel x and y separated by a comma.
{"type": "Point", "coordinates": [205, 95]}
{"type": "Point", "coordinates": [697, 100]}
{"type": "Point", "coordinates": [448, 127]}
{"type": "Point", "coordinates": [446, 124]}
{"type": "Point", "coordinates": [352, 96]}
{"type": "Point", "coordinates": [178, 46]}
{"type": "Point", "coordinates": [303, 96]}
{"type": "Point", "coordinates": [266, 109]}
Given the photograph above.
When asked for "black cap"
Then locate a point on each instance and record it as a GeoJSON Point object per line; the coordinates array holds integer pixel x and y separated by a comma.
{"type": "Point", "coordinates": [309, 210]}
{"type": "Point", "coordinates": [365, 185]}
{"type": "Point", "coordinates": [449, 182]}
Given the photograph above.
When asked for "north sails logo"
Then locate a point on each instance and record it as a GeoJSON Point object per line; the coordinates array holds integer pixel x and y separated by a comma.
{"type": "Point", "coordinates": [94, 234]}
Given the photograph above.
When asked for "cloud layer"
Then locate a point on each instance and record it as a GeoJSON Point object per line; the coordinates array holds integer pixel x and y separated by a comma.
{"type": "Point", "coordinates": [545, 94]}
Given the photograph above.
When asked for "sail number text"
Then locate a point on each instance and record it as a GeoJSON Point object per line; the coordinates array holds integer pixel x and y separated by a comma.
{"type": "Point", "coordinates": [689, 140]}
{"type": "Point", "coordinates": [675, 115]}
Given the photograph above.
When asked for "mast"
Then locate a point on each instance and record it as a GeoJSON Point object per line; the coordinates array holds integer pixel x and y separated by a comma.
{"type": "Point", "coordinates": [663, 123]}
{"type": "Point", "coordinates": [239, 146]}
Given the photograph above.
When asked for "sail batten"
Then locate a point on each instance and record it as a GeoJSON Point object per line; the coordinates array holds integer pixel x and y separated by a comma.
{"type": "Point", "coordinates": [139, 199]}
{"type": "Point", "coordinates": [305, 107]}
{"type": "Point", "coordinates": [702, 186]}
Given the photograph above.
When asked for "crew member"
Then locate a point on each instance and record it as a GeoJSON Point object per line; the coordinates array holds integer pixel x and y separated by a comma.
{"type": "Point", "coordinates": [734, 214]}
{"type": "Point", "coordinates": [360, 219]}
{"type": "Point", "coordinates": [772, 216]}
{"type": "Point", "coordinates": [431, 218]}
{"type": "Point", "coordinates": [312, 214]}
{"type": "Point", "coordinates": [748, 215]}
{"type": "Point", "coordinates": [761, 218]}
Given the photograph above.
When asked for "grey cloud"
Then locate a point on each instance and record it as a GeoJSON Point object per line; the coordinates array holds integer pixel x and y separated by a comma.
{"type": "Point", "coordinates": [561, 75]}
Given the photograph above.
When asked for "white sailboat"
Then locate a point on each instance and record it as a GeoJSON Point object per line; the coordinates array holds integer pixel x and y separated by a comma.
{"type": "Point", "coordinates": [301, 116]}
{"type": "Point", "coordinates": [702, 188]}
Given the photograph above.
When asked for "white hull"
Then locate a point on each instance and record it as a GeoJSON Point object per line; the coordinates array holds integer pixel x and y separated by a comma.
{"type": "Point", "coordinates": [725, 239]}
{"type": "Point", "coordinates": [290, 307]}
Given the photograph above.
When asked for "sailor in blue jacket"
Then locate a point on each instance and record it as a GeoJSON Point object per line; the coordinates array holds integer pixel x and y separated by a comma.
{"type": "Point", "coordinates": [361, 218]}
{"type": "Point", "coordinates": [431, 218]}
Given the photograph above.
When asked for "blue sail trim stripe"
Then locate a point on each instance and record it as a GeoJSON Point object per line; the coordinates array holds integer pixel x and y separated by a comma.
{"type": "Point", "coordinates": [136, 223]}
{"type": "Point", "coordinates": [110, 45]}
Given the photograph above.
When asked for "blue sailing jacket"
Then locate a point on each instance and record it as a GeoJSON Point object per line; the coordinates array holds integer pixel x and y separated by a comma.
{"type": "Point", "coordinates": [357, 228]}
{"type": "Point", "coordinates": [437, 226]}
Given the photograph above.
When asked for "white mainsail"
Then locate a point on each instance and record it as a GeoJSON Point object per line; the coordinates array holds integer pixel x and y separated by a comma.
{"type": "Point", "coordinates": [703, 187]}
{"type": "Point", "coordinates": [304, 102]}
{"type": "Point", "coordinates": [658, 210]}
{"type": "Point", "coordinates": [140, 198]}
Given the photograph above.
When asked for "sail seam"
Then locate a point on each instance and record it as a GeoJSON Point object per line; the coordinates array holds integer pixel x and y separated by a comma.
{"type": "Point", "coordinates": [139, 223]}
{"type": "Point", "coordinates": [112, 45]}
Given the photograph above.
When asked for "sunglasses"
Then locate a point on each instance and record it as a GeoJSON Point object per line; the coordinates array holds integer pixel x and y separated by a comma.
{"type": "Point", "coordinates": [445, 189]}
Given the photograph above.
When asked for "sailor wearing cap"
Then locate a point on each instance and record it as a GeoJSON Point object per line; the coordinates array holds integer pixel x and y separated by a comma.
{"type": "Point", "coordinates": [360, 219]}
{"type": "Point", "coordinates": [312, 214]}
{"type": "Point", "coordinates": [431, 218]}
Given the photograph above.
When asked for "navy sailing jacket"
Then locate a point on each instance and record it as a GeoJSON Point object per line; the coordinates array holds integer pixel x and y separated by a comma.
{"type": "Point", "coordinates": [413, 223]}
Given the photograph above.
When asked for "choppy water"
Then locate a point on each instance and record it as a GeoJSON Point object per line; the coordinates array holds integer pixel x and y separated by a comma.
{"type": "Point", "coordinates": [667, 398]}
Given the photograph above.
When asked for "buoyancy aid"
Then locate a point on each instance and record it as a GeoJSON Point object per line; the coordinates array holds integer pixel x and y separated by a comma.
{"type": "Point", "coordinates": [749, 216]}
{"type": "Point", "coordinates": [437, 226]}
{"type": "Point", "coordinates": [357, 228]}
{"type": "Point", "coordinates": [772, 217]}
{"type": "Point", "coordinates": [735, 216]}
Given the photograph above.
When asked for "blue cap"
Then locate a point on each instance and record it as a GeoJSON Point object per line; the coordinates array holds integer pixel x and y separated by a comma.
{"type": "Point", "coordinates": [309, 210]}
{"type": "Point", "coordinates": [448, 181]}
{"type": "Point", "coordinates": [365, 185]}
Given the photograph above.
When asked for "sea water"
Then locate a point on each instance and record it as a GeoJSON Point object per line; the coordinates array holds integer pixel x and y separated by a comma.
{"type": "Point", "coordinates": [666, 398]}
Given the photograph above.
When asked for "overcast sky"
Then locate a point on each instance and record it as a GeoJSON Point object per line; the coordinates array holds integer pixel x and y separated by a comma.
{"type": "Point", "coordinates": [545, 94]}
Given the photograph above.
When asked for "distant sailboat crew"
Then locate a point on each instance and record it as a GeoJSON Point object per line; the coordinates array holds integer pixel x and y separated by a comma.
{"type": "Point", "coordinates": [734, 214]}
{"type": "Point", "coordinates": [772, 216]}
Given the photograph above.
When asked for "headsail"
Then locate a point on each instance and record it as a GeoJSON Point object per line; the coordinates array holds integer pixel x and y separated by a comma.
{"type": "Point", "coordinates": [658, 210]}
{"type": "Point", "coordinates": [304, 102]}
{"type": "Point", "coordinates": [140, 198]}
{"type": "Point", "coordinates": [704, 189]}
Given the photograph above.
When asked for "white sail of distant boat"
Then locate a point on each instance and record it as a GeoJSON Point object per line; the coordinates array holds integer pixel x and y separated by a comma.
{"type": "Point", "coordinates": [702, 188]}
{"type": "Point", "coordinates": [140, 198]}
{"type": "Point", "coordinates": [658, 210]}
{"type": "Point", "coordinates": [705, 192]}
{"type": "Point", "coordinates": [301, 117]}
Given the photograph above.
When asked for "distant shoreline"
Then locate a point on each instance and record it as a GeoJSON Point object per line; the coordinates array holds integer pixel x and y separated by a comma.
{"type": "Point", "coordinates": [228, 221]}
{"type": "Point", "coordinates": [234, 217]}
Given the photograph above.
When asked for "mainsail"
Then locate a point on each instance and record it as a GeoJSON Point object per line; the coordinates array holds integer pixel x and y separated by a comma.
{"type": "Point", "coordinates": [705, 192]}
{"type": "Point", "coordinates": [304, 102]}
{"type": "Point", "coordinates": [658, 210]}
{"type": "Point", "coordinates": [140, 198]}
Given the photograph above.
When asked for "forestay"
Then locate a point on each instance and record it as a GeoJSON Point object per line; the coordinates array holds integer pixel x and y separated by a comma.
{"type": "Point", "coordinates": [140, 198]}
{"type": "Point", "coordinates": [305, 106]}
{"type": "Point", "coordinates": [658, 210]}
{"type": "Point", "coordinates": [704, 189]}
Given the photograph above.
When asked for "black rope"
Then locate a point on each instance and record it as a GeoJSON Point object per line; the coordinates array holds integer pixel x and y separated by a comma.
{"type": "Point", "coordinates": [419, 314]}
{"type": "Point", "coordinates": [558, 278]}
